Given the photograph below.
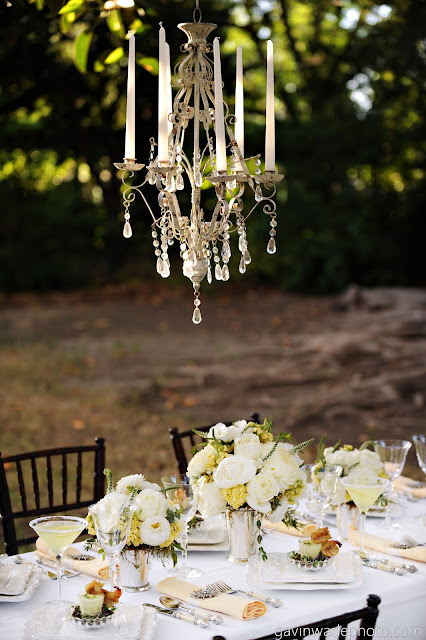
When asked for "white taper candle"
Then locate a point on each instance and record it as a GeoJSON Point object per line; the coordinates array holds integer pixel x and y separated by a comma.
{"type": "Point", "coordinates": [239, 105]}
{"type": "Point", "coordinates": [129, 147]}
{"type": "Point", "coordinates": [169, 91]}
{"type": "Point", "coordinates": [218, 110]}
{"type": "Point", "coordinates": [270, 110]}
{"type": "Point", "coordinates": [163, 146]}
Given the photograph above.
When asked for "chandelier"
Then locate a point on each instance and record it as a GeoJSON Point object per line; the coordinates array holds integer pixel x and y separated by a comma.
{"type": "Point", "coordinates": [217, 157]}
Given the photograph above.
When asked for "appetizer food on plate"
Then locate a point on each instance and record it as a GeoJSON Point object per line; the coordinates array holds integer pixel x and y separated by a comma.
{"type": "Point", "coordinates": [95, 606]}
{"type": "Point", "coordinates": [316, 551]}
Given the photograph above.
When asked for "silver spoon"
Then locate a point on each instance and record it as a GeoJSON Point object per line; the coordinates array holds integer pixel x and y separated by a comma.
{"type": "Point", "coordinates": [173, 603]}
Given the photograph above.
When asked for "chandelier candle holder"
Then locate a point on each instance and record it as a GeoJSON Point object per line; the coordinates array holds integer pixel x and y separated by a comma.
{"type": "Point", "coordinates": [217, 158]}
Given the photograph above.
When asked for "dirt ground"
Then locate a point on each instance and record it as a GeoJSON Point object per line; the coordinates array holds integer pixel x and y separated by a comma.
{"type": "Point", "coordinates": [127, 363]}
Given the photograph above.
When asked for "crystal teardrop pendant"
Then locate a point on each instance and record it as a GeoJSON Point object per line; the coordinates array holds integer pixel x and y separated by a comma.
{"type": "Point", "coordinates": [226, 251]}
{"type": "Point", "coordinates": [179, 182]}
{"type": "Point", "coordinates": [272, 247]}
{"type": "Point", "coordinates": [127, 231]}
{"type": "Point", "coordinates": [198, 179]}
{"type": "Point", "coordinates": [160, 266]}
{"type": "Point", "coordinates": [218, 272]}
{"type": "Point", "coordinates": [209, 275]}
{"type": "Point", "coordinates": [247, 257]}
{"type": "Point", "coordinates": [242, 267]}
{"type": "Point", "coordinates": [196, 316]}
{"type": "Point", "coordinates": [242, 243]}
{"type": "Point", "coordinates": [225, 272]}
{"type": "Point", "coordinates": [151, 177]}
{"type": "Point", "coordinates": [258, 195]}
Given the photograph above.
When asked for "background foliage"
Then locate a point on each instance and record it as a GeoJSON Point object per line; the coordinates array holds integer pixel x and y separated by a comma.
{"type": "Point", "coordinates": [350, 137]}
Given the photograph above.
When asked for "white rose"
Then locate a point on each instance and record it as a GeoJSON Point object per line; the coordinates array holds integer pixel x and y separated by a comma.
{"type": "Point", "coordinates": [260, 491]}
{"type": "Point", "coordinates": [278, 514]}
{"type": "Point", "coordinates": [108, 510]}
{"type": "Point", "coordinates": [248, 445]}
{"type": "Point", "coordinates": [150, 503]}
{"type": "Point", "coordinates": [240, 425]}
{"type": "Point", "coordinates": [135, 481]}
{"type": "Point", "coordinates": [284, 465]}
{"type": "Point", "coordinates": [210, 500]}
{"type": "Point", "coordinates": [154, 530]}
{"type": "Point", "coordinates": [221, 432]}
{"type": "Point", "coordinates": [234, 470]}
{"type": "Point", "coordinates": [198, 464]}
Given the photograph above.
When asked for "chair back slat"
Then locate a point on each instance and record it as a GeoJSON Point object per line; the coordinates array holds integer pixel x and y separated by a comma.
{"type": "Point", "coordinates": [177, 437]}
{"type": "Point", "coordinates": [64, 479]}
{"type": "Point", "coordinates": [16, 470]}
{"type": "Point", "coordinates": [21, 483]}
{"type": "Point", "coordinates": [36, 487]}
{"type": "Point", "coordinates": [49, 480]}
{"type": "Point", "coordinates": [78, 476]}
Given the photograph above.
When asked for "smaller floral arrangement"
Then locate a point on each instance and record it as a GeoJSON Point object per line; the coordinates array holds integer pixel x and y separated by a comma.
{"type": "Point", "coordinates": [156, 523]}
{"type": "Point", "coordinates": [316, 551]}
{"type": "Point", "coordinates": [360, 465]}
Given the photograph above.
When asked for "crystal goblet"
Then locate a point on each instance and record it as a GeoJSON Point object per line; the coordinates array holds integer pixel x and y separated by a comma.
{"type": "Point", "coordinates": [112, 518]}
{"type": "Point", "coordinates": [393, 454]}
{"type": "Point", "coordinates": [420, 443]}
{"type": "Point", "coordinates": [323, 486]}
{"type": "Point", "coordinates": [179, 490]}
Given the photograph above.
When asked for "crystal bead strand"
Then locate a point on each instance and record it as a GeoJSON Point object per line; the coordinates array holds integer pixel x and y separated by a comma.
{"type": "Point", "coordinates": [127, 230]}
{"type": "Point", "coordinates": [196, 316]}
{"type": "Point", "coordinates": [151, 174]}
{"type": "Point", "coordinates": [272, 247]}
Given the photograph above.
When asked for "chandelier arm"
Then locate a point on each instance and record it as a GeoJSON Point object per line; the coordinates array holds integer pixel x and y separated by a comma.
{"type": "Point", "coordinates": [127, 199]}
{"type": "Point", "coordinates": [211, 234]}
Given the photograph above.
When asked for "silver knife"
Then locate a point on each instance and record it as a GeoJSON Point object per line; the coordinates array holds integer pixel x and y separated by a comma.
{"type": "Point", "coordinates": [179, 615]}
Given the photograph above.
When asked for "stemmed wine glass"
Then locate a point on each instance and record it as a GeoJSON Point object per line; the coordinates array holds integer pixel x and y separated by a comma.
{"type": "Point", "coordinates": [58, 532]}
{"type": "Point", "coordinates": [112, 519]}
{"type": "Point", "coordinates": [322, 491]}
{"type": "Point", "coordinates": [420, 444]}
{"type": "Point", "coordinates": [393, 454]}
{"type": "Point", "coordinates": [179, 490]}
{"type": "Point", "coordinates": [364, 496]}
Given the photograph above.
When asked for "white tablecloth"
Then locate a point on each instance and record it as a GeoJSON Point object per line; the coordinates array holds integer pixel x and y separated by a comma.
{"type": "Point", "coordinates": [402, 610]}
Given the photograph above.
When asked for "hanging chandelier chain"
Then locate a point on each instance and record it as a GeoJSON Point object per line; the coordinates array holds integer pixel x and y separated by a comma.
{"type": "Point", "coordinates": [197, 15]}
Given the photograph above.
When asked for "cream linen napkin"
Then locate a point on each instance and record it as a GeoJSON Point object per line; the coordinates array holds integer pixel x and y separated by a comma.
{"type": "Point", "coordinates": [235, 606]}
{"type": "Point", "coordinates": [384, 546]}
{"type": "Point", "coordinates": [97, 567]}
{"type": "Point", "coordinates": [304, 532]}
{"type": "Point", "coordinates": [403, 484]}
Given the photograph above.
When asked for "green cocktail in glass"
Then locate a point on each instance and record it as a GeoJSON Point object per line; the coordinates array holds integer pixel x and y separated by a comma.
{"type": "Point", "coordinates": [364, 496]}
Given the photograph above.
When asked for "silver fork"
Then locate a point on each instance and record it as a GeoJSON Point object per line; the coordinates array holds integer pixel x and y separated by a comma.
{"type": "Point", "coordinates": [409, 542]}
{"type": "Point", "coordinates": [225, 588]}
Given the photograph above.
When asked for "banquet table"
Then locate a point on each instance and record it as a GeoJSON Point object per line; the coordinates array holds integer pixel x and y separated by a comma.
{"type": "Point", "coordinates": [402, 610]}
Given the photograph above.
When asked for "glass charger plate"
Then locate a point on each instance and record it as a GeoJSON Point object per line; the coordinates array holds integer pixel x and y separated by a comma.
{"type": "Point", "coordinates": [278, 568]}
{"type": "Point", "coordinates": [254, 578]}
{"type": "Point", "coordinates": [132, 623]}
{"type": "Point", "coordinates": [32, 584]}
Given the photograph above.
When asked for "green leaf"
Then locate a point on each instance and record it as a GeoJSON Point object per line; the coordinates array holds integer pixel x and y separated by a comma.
{"type": "Point", "coordinates": [81, 51]}
{"type": "Point", "coordinates": [150, 64]}
{"type": "Point", "coordinates": [72, 5]}
{"type": "Point", "coordinates": [114, 56]}
{"type": "Point", "coordinates": [115, 23]}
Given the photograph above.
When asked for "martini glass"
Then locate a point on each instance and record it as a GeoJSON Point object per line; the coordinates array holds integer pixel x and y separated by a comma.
{"type": "Point", "coordinates": [364, 496]}
{"type": "Point", "coordinates": [179, 490]}
{"type": "Point", "coordinates": [393, 454]}
{"type": "Point", "coordinates": [58, 532]}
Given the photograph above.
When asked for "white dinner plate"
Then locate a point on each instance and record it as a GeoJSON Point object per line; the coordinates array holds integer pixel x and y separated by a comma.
{"type": "Point", "coordinates": [254, 579]}
{"type": "Point", "coordinates": [32, 583]}
{"type": "Point", "coordinates": [133, 623]}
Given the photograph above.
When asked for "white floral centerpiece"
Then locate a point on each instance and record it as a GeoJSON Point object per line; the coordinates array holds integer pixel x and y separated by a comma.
{"type": "Point", "coordinates": [360, 465]}
{"type": "Point", "coordinates": [155, 523]}
{"type": "Point", "coordinates": [244, 466]}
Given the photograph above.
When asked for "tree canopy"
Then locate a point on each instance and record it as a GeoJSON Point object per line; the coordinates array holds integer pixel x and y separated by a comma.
{"type": "Point", "coordinates": [349, 80]}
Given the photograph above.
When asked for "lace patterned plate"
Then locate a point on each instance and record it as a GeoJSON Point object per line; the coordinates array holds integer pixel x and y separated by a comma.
{"type": "Point", "coordinates": [32, 583]}
{"type": "Point", "coordinates": [132, 623]}
{"type": "Point", "coordinates": [276, 574]}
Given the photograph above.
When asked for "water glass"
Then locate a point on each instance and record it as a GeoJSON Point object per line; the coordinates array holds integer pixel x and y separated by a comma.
{"type": "Point", "coordinates": [393, 454]}
{"type": "Point", "coordinates": [179, 490]}
{"type": "Point", "coordinates": [420, 444]}
{"type": "Point", "coordinates": [322, 487]}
